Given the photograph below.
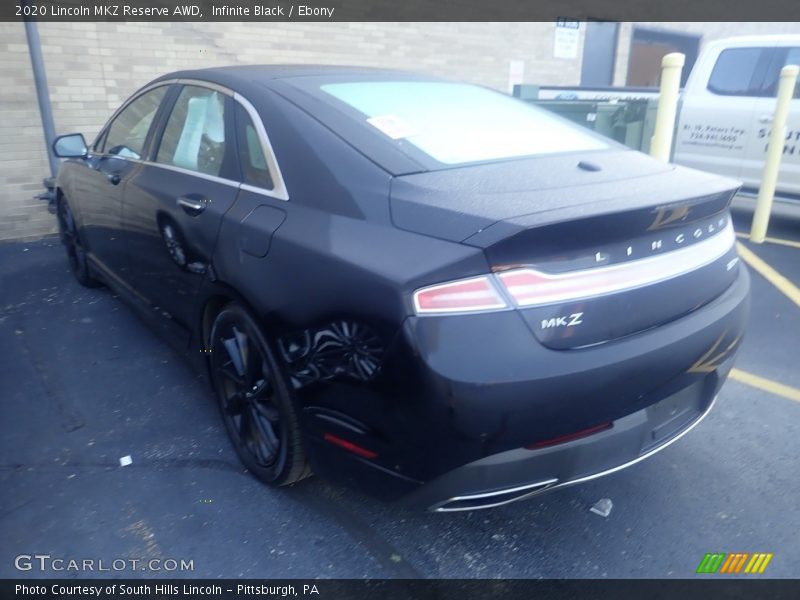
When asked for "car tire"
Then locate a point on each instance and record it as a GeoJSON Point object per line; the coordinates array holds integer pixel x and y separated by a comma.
{"type": "Point", "coordinates": [71, 238]}
{"type": "Point", "coordinates": [254, 399]}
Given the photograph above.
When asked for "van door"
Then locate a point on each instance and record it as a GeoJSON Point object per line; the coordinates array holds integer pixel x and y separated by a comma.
{"type": "Point", "coordinates": [753, 164]}
{"type": "Point", "coordinates": [715, 128]}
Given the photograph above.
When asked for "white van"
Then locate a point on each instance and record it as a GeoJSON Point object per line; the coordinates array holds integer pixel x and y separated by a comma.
{"type": "Point", "coordinates": [727, 108]}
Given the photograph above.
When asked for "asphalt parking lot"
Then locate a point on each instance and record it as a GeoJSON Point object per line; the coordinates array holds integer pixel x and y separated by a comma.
{"type": "Point", "coordinates": [83, 383]}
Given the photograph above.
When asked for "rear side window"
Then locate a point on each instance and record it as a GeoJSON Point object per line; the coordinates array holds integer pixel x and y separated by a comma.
{"type": "Point", "coordinates": [252, 159]}
{"type": "Point", "coordinates": [127, 133]}
{"type": "Point", "coordinates": [455, 123]}
{"type": "Point", "coordinates": [734, 72]}
{"type": "Point", "coordinates": [194, 137]}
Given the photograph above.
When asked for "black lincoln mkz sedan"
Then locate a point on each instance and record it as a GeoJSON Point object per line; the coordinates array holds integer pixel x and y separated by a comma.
{"type": "Point", "coordinates": [450, 297]}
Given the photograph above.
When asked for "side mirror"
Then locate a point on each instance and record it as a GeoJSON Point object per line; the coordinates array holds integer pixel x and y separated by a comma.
{"type": "Point", "coordinates": [71, 145]}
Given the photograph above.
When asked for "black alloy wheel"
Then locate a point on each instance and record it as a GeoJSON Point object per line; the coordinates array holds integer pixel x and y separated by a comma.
{"type": "Point", "coordinates": [70, 237]}
{"type": "Point", "coordinates": [254, 399]}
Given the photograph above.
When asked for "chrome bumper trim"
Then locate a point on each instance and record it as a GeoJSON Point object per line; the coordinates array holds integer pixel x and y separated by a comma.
{"type": "Point", "coordinates": [552, 484]}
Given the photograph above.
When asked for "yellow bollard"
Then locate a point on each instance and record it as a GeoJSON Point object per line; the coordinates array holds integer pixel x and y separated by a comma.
{"type": "Point", "coordinates": [772, 164]}
{"type": "Point", "coordinates": [661, 142]}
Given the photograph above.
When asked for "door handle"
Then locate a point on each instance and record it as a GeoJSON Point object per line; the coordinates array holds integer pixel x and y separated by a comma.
{"type": "Point", "coordinates": [114, 178]}
{"type": "Point", "coordinates": [192, 205]}
{"type": "Point", "coordinates": [766, 119]}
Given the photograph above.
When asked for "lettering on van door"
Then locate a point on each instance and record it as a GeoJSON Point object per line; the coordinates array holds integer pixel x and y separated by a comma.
{"type": "Point", "coordinates": [714, 136]}
{"type": "Point", "coordinates": [792, 145]}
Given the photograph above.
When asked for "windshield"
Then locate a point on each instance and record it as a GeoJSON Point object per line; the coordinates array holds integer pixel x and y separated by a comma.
{"type": "Point", "coordinates": [456, 123]}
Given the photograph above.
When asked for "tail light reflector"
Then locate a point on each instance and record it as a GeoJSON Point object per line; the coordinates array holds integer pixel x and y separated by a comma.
{"type": "Point", "coordinates": [563, 439]}
{"type": "Point", "coordinates": [349, 446]}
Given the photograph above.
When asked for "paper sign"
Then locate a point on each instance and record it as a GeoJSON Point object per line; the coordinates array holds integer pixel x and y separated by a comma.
{"type": "Point", "coordinates": [393, 126]}
{"type": "Point", "coordinates": [516, 73]}
{"type": "Point", "coordinates": [566, 39]}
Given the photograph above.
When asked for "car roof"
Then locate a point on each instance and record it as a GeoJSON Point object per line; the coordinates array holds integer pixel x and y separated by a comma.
{"type": "Point", "coordinates": [303, 87]}
{"type": "Point", "coordinates": [241, 77]}
{"type": "Point", "coordinates": [758, 40]}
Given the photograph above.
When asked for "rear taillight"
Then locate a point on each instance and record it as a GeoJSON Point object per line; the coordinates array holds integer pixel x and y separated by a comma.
{"type": "Point", "coordinates": [465, 295]}
{"type": "Point", "coordinates": [527, 287]}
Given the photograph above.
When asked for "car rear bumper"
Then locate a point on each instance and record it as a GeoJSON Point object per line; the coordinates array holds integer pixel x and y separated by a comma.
{"type": "Point", "coordinates": [522, 473]}
{"type": "Point", "coordinates": [462, 399]}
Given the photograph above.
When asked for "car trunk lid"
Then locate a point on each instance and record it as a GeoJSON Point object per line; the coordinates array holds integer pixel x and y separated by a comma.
{"type": "Point", "coordinates": [639, 243]}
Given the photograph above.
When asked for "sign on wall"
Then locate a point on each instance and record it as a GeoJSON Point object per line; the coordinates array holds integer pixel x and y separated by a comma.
{"type": "Point", "coordinates": [566, 39]}
{"type": "Point", "coordinates": [516, 73]}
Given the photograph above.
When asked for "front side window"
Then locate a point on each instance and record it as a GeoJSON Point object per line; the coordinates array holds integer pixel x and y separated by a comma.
{"type": "Point", "coordinates": [252, 159]}
{"type": "Point", "coordinates": [455, 123]}
{"type": "Point", "coordinates": [194, 137]}
{"type": "Point", "coordinates": [733, 73]}
{"type": "Point", "coordinates": [126, 135]}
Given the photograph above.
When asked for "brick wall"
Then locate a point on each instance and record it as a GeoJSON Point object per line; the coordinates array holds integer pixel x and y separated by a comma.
{"type": "Point", "coordinates": [23, 161]}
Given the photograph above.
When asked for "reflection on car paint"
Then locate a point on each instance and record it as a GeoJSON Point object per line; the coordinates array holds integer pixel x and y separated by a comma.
{"type": "Point", "coordinates": [340, 348]}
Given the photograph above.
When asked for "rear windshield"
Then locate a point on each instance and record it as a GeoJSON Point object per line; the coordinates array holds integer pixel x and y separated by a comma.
{"type": "Point", "coordinates": [455, 123]}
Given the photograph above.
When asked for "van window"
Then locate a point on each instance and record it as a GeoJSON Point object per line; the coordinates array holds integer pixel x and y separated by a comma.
{"type": "Point", "coordinates": [734, 71]}
{"type": "Point", "coordinates": [793, 58]}
{"type": "Point", "coordinates": [781, 57]}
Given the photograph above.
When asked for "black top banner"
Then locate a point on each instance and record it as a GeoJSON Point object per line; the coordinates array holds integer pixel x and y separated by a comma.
{"type": "Point", "coordinates": [399, 589]}
{"type": "Point", "coordinates": [393, 10]}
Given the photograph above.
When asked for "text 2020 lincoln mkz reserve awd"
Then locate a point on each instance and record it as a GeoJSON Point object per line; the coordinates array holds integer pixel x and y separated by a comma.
{"type": "Point", "coordinates": [448, 296]}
